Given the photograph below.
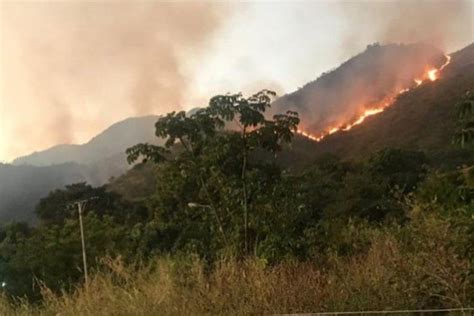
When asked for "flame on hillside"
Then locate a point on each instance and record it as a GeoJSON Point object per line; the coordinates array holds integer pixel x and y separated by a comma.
{"type": "Point", "coordinates": [431, 74]}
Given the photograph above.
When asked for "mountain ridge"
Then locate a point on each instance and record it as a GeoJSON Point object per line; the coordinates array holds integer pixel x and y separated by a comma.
{"type": "Point", "coordinates": [110, 142]}
{"type": "Point", "coordinates": [399, 125]}
{"type": "Point", "coordinates": [423, 118]}
{"type": "Point", "coordinates": [339, 96]}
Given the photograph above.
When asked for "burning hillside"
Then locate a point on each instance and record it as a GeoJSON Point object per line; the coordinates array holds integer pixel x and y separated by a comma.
{"type": "Point", "coordinates": [361, 87]}
{"type": "Point", "coordinates": [431, 74]}
{"type": "Point", "coordinates": [423, 118]}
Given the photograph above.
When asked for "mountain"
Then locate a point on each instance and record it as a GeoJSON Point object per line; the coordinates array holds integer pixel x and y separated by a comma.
{"type": "Point", "coordinates": [424, 118]}
{"type": "Point", "coordinates": [21, 187]}
{"type": "Point", "coordinates": [32, 177]}
{"type": "Point", "coordinates": [108, 145]}
{"type": "Point", "coordinates": [339, 96]}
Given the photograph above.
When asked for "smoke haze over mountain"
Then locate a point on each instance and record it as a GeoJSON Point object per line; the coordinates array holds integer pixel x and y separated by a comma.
{"type": "Point", "coordinates": [445, 24]}
{"type": "Point", "coordinates": [71, 68]}
{"type": "Point", "coordinates": [367, 81]}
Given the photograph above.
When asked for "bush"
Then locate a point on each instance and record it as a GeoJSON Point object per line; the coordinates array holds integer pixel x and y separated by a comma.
{"type": "Point", "coordinates": [416, 266]}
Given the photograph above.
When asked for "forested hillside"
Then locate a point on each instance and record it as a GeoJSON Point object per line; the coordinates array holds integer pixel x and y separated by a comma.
{"type": "Point", "coordinates": [340, 95]}
{"type": "Point", "coordinates": [421, 119]}
{"type": "Point", "coordinates": [216, 221]}
{"type": "Point", "coordinates": [30, 178]}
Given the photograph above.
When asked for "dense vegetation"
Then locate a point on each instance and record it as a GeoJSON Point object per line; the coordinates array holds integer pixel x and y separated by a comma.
{"type": "Point", "coordinates": [28, 179]}
{"type": "Point", "coordinates": [432, 103]}
{"type": "Point", "coordinates": [211, 222]}
{"type": "Point", "coordinates": [415, 265]}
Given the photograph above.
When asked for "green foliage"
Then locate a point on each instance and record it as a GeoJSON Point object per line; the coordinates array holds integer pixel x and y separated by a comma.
{"type": "Point", "coordinates": [355, 228]}
{"type": "Point", "coordinates": [195, 131]}
{"type": "Point", "coordinates": [137, 184]}
{"type": "Point", "coordinates": [465, 132]}
{"type": "Point", "coordinates": [374, 191]}
{"type": "Point", "coordinates": [51, 255]}
{"type": "Point", "coordinates": [216, 165]}
{"type": "Point", "coordinates": [155, 153]}
{"type": "Point", "coordinates": [58, 205]}
{"type": "Point", "coordinates": [415, 266]}
{"type": "Point", "coordinates": [452, 190]}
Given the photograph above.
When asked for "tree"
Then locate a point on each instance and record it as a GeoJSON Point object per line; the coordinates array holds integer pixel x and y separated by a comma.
{"type": "Point", "coordinates": [51, 254]}
{"type": "Point", "coordinates": [58, 205]}
{"type": "Point", "coordinates": [374, 189]}
{"type": "Point", "coordinates": [465, 132]}
{"type": "Point", "coordinates": [203, 147]}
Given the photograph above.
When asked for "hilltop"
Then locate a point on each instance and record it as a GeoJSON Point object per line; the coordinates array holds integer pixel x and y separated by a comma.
{"type": "Point", "coordinates": [338, 96]}
{"type": "Point", "coordinates": [109, 144]}
{"type": "Point", "coordinates": [29, 178]}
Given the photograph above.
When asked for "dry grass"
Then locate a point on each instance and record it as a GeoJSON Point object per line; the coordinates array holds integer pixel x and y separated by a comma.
{"type": "Point", "coordinates": [402, 269]}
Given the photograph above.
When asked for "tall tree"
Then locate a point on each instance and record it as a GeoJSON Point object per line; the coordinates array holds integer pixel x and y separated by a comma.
{"type": "Point", "coordinates": [218, 141]}
{"type": "Point", "coordinates": [465, 132]}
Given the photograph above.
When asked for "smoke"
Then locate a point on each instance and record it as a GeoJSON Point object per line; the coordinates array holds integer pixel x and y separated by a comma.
{"type": "Point", "coordinates": [69, 68]}
{"type": "Point", "coordinates": [444, 24]}
{"type": "Point", "coordinates": [371, 79]}
{"type": "Point", "coordinates": [366, 82]}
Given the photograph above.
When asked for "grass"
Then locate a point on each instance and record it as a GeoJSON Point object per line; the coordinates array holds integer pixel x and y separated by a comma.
{"type": "Point", "coordinates": [412, 267]}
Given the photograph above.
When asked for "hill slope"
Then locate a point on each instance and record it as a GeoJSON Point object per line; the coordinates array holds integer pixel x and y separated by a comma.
{"type": "Point", "coordinates": [32, 177]}
{"type": "Point", "coordinates": [21, 187]}
{"type": "Point", "coordinates": [337, 97]}
{"type": "Point", "coordinates": [109, 144]}
{"type": "Point", "coordinates": [423, 118]}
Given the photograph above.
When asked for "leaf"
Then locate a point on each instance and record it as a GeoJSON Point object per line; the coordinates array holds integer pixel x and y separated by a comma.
{"type": "Point", "coordinates": [147, 151]}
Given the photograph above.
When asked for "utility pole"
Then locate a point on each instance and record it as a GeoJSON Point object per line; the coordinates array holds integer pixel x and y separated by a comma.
{"type": "Point", "coordinates": [80, 206]}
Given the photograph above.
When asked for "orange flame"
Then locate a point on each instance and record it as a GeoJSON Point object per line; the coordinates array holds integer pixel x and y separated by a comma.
{"type": "Point", "coordinates": [432, 75]}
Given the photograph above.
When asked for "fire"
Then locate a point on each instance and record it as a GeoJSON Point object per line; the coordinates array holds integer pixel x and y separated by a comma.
{"type": "Point", "coordinates": [333, 130]}
{"type": "Point", "coordinates": [362, 118]}
{"type": "Point", "coordinates": [432, 74]}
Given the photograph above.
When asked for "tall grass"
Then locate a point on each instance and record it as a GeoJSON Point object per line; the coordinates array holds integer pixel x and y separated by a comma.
{"type": "Point", "coordinates": [403, 268]}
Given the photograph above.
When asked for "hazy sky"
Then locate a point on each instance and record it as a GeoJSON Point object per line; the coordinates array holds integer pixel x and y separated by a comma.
{"type": "Point", "coordinates": [69, 69]}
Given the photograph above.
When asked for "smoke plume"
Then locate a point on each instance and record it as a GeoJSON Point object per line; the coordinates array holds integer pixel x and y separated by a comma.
{"type": "Point", "coordinates": [370, 80]}
{"type": "Point", "coordinates": [75, 67]}
{"type": "Point", "coordinates": [71, 68]}
{"type": "Point", "coordinates": [444, 24]}
{"type": "Point", "coordinates": [363, 83]}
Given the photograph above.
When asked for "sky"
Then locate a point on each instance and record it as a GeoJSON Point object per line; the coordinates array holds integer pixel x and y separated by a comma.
{"type": "Point", "coordinates": [69, 69]}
